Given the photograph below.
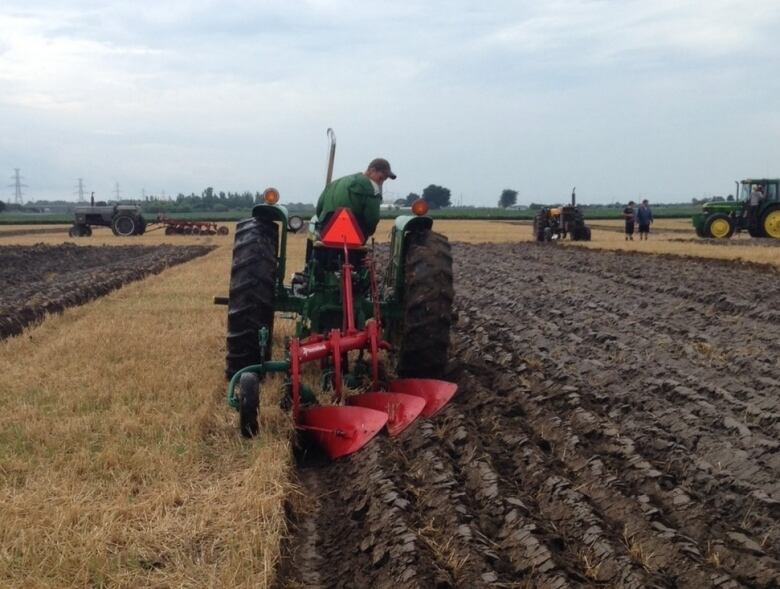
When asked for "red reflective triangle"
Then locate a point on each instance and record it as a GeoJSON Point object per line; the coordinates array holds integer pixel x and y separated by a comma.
{"type": "Point", "coordinates": [342, 228]}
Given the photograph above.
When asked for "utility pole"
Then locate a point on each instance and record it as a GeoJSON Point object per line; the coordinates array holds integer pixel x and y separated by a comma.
{"type": "Point", "coordinates": [116, 190]}
{"type": "Point", "coordinates": [143, 194]}
{"type": "Point", "coordinates": [80, 190]}
{"type": "Point", "coordinates": [17, 186]}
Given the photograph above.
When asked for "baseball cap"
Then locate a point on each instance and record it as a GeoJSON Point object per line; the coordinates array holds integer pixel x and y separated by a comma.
{"type": "Point", "coordinates": [382, 165]}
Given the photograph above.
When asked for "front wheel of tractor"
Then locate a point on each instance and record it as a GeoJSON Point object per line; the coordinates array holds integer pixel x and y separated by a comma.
{"type": "Point", "coordinates": [719, 226]}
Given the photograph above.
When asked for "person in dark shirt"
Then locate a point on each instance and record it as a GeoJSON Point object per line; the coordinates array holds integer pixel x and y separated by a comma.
{"type": "Point", "coordinates": [630, 217]}
{"type": "Point", "coordinates": [644, 218]}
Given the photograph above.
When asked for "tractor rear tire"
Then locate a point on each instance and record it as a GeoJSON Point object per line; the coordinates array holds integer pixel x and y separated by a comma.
{"type": "Point", "coordinates": [424, 335]}
{"type": "Point", "coordinates": [540, 224]}
{"type": "Point", "coordinates": [249, 403]}
{"type": "Point", "coordinates": [252, 289]}
{"type": "Point", "coordinates": [770, 223]}
{"type": "Point", "coordinates": [124, 225]}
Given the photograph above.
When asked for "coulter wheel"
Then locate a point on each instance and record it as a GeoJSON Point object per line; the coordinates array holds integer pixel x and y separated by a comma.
{"type": "Point", "coordinates": [249, 397]}
{"type": "Point", "coordinates": [223, 230]}
{"type": "Point", "coordinates": [252, 287]}
{"type": "Point", "coordinates": [424, 334]}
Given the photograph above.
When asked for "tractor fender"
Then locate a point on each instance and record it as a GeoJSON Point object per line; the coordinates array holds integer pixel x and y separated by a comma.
{"type": "Point", "coordinates": [412, 223]}
{"type": "Point", "coordinates": [272, 213]}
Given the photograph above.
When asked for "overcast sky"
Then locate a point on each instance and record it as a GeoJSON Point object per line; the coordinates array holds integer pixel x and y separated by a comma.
{"type": "Point", "coordinates": [668, 100]}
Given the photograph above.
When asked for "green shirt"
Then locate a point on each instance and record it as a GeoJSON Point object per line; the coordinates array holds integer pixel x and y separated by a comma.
{"type": "Point", "coordinates": [356, 193]}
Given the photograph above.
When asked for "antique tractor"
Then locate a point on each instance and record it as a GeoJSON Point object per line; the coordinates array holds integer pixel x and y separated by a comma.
{"type": "Point", "coordinates": [346, 320]}
{"type": "Point", "coordinates": [124, 220]}
{"type": "Point", "coordinates": [559, 222]}
{"type": "Point", "coordinates": [720, 220]}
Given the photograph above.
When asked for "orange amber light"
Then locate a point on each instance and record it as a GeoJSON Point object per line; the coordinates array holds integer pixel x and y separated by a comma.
{"type": "Point", "coordinates": [420, 206]}
{"type": "Point", "coordinates": [271, 196]}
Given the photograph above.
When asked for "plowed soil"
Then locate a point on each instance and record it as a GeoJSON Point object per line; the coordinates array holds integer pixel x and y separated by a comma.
{"type": "Point", "coordinates": [617, 424]}
{"type": "Point", "coordinates": [45, 279]}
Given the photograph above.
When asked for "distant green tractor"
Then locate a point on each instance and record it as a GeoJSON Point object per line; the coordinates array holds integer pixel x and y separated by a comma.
{"type": "Point", "coordinates": [720, 220]}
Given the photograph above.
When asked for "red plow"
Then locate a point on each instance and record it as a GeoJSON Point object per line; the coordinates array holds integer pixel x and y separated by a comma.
{"type": "Point", "coordinates": [341, 429]}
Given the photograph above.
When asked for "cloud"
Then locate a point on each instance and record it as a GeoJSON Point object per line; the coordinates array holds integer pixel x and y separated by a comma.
{"type": "Point", "coordinates": [478, 97]}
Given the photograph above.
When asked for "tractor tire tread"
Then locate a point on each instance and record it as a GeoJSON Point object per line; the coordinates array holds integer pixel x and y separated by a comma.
{"type": "Point", "coordinates": [252, 290]}
{"type": "Point", "coordinates": [427, 303]}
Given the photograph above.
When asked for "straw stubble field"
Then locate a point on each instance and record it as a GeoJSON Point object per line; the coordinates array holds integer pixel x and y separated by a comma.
{"type": "Point", "coordinates": [120, 464]}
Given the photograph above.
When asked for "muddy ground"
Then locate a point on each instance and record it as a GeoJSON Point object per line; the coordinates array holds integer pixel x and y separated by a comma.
{"type": "Point", "coordinates": [40, 279]}
{"type": "Point", "coordinates": [617, 425]}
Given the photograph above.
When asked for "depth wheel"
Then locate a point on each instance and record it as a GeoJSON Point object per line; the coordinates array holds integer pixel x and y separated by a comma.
{"type": "Point", "coordinates": [249, 391]}
{"type": "Point", "coordinates": [252, 290]}
{"type": "Point", "coordinates": [223, 230]}
{"type": "Point", "coordinates": [427, 306]}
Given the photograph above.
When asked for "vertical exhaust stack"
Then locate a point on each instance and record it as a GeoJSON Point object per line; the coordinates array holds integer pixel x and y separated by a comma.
{"type": "Point", "coordinates": [573, 196]}
{"type": "Point", "coordinates": [331, 155]}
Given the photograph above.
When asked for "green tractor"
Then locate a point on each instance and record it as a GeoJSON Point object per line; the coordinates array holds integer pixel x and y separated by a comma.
{"type": "Point", "coordinates": [720, 220]}
{"type": "Point", "coordinates": [346, 316]}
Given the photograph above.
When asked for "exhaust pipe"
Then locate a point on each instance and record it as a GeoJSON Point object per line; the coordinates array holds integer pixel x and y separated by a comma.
{"type": "Point", "coordinates": [573, 197]}
{"type": "Point", "coordinates": [331, 155]}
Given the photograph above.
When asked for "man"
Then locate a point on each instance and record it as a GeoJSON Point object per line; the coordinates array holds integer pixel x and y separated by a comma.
{"type": "Point", "coordinates": [644, 218]}
{"type": "Point", "coordinates": [628, 215]}
{"type": "Point", "coordinates": [756, 196]}
{"type": "Point", "coordinates": [361, 193]}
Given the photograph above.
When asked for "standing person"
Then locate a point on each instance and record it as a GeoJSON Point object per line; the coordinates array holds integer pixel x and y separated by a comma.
{"type": "Point", "coordinates": [629, 216]}
{"type": "Point", "coordinates": [361, 193]}
{"type": "Point", "coordinates": [644, 218]}
{"type": "Point", "coordinates": [756, 196]}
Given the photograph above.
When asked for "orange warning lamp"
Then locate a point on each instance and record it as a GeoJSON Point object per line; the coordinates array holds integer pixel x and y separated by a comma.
{"type": "Point", "coordinates": [420, 207]}
{"type": "Point", "coordinates": [271, 196]}
{"type": "Point", "coordinates": [342, 229]}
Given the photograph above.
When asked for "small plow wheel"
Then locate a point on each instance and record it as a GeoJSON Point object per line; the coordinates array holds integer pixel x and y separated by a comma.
{"type": "Point", "coordinates": [249, 391]}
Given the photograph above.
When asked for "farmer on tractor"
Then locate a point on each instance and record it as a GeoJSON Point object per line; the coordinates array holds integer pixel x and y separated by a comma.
{"type": "Point", "coordinates": [361, 193]}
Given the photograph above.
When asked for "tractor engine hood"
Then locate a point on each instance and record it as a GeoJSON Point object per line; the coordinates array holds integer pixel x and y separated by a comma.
{"type": "Point", "coordinates": [721, 207]}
